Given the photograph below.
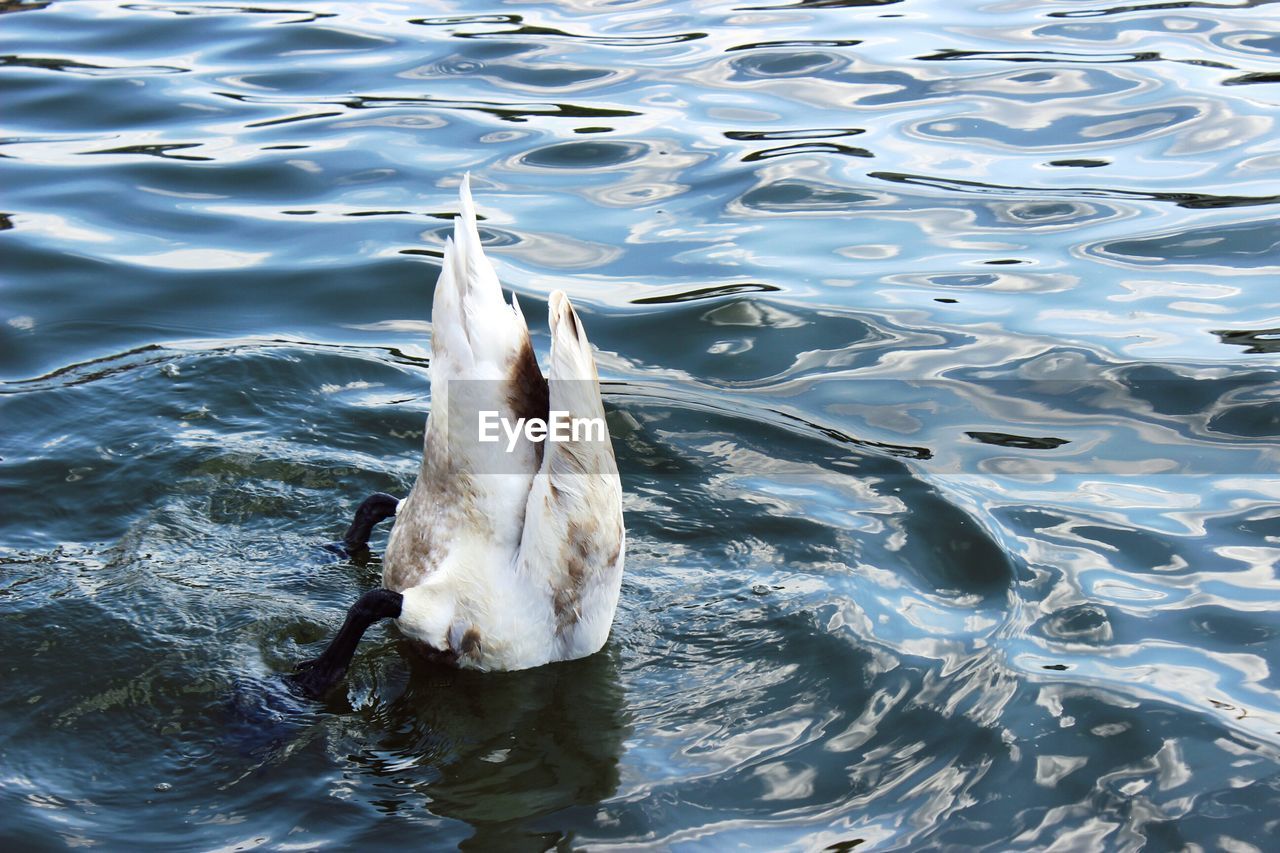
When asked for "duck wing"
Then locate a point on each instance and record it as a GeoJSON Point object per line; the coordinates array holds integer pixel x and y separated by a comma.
{"type": "Point", "coordinates": [482, 361]}
{"type": "Point", "coordinates": [573, 532]}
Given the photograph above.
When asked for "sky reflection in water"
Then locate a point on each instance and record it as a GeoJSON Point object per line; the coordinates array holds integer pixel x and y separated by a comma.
{"type": "Point", "coordinates": [940, 354]}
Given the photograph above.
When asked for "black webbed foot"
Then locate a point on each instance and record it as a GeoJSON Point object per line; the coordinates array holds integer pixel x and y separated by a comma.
{"type": "Point", "coordinates": [315, 678]}
{"type": "Point", "coordinates": [373, 509]}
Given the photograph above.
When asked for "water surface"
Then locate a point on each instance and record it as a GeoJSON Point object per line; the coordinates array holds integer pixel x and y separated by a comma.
{"type": "Point", "coordinates": [939, 346]}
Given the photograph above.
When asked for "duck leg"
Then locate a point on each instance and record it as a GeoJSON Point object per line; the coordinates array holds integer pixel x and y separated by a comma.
{"type": "Point", "coordinates": [375, 508]}
{"type": "Point", "coordinates": [314, 678]}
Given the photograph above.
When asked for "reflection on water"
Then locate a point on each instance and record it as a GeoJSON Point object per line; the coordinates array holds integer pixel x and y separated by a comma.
{"type": "Point", "coordinates": [938, 348]}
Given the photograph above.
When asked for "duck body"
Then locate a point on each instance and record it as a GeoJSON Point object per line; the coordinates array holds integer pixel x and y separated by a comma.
{"type": "Point", "coordinates": [505, 554]}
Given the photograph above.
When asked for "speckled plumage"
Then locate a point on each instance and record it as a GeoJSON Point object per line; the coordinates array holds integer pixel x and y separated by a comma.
{"type": "Point", "coordinates": [514, 569]}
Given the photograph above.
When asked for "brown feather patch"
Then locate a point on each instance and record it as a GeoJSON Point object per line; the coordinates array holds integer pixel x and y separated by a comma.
{"type": "Point", "coordinates": [580, 540]}
{"type": "Point", "coordinates": [470, 643]}
{"type": "Point", "coordinates": [527, 391]}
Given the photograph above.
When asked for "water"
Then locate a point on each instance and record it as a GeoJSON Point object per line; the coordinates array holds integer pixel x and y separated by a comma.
{"type": "Point", "coordinates": [940, 347]}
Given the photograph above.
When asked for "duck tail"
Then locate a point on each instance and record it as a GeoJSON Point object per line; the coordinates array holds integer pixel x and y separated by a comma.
{"type": "Point", "coordinates": [474, 332]}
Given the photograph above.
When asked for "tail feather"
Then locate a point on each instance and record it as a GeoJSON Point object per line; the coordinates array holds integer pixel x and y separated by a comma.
{"type": "Point", "coordinates": [474, 331]}
{"type": "Point", "coordinates": [573, 534]}
{"type": "Point", "coordinates": [482, 294]}
{"type": "Point", "coordinates": [571, 357]}
{"type": "Point", "coordinates": [476, 337]}
{"type": "Point", "coordinates": [574, 387]}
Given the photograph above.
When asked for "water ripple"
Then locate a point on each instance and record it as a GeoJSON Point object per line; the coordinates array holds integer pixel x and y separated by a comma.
{"type": "Point", "coordinates": [937, 346]}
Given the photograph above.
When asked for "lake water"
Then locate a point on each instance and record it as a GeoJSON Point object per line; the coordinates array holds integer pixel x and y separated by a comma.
{"type": "Point", "coordinates": [940, 345]}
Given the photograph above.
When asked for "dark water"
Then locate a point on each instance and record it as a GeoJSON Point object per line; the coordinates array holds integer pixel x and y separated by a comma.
{"type": "Point", "coordinates": [940, 348]}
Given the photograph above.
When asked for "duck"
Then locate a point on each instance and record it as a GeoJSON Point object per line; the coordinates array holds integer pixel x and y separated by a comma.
{"type": "Point", "coordinates": [507, 553]}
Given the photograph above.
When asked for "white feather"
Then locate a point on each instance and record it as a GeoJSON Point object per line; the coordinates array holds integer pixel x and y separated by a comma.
{"type": "Point", "coordinates": [515, 569]}
{"type": "Point", "coordinates": [573, 539]}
